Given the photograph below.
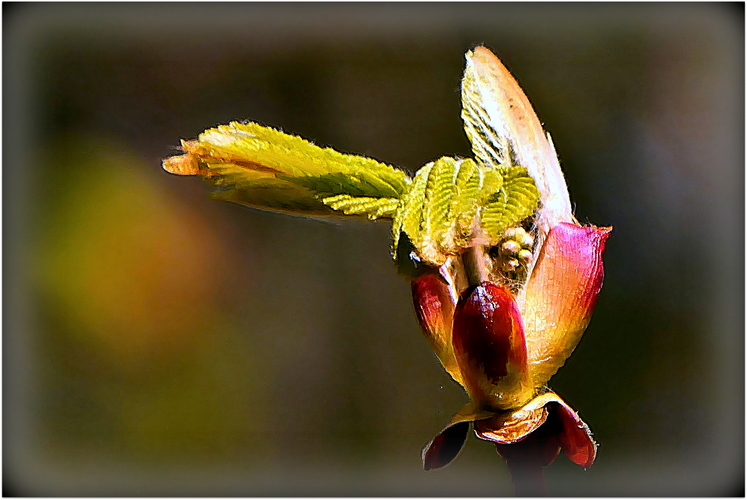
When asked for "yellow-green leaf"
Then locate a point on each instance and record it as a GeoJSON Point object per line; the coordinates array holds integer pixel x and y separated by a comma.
{"type": "Point", "coordinates": [514, 201]}
{"type": "Point", "coordinates": [408, 218]}
{"type": "Point", "coordinates": [265, 168]}
{"type": "Point", "coordinates": [504, 131]}
{"type": "Point", "coordinates": [438, 212]}
{"type": "Point", "coordinates": [373, 208]}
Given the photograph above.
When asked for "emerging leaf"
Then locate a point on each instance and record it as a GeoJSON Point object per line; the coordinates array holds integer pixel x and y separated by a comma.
{"type": "Point", "coordinates": [453, 201]}
{"type": "Point", "coordinates": [504, 130]}
{"type": "Point", "coordinates": [265, 168]}
{"type": "Point", "coordinates": [373, 208]}
{"type": "Point", "coordinates": [515, 201]}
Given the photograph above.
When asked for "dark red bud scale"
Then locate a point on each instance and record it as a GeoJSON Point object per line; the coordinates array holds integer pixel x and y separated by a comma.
{"type": "Point", "coordinates": [490, 348]}
{"type": "Point", "coordinates": [434, 307]}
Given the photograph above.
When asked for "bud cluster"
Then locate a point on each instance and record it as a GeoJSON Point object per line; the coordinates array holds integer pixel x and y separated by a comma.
{"type": "Point", "coordinates": [513, 254]}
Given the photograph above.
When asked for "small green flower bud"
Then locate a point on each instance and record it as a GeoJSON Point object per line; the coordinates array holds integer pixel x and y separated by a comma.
{"type": "Point", "coordinates": [510, 265]}
{"type": "Point", "coordinates": [525, 240]}
{"type": "Point", "coordinates": [525, 256]}
{"type": "Point", "coordinates": [510, 247]}
{"type": "Point", "coordinates": [513, 233]}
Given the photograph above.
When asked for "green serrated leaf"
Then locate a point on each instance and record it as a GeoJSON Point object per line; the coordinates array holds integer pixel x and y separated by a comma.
{"type": "Point", "coordinates": [409, 217]}
{"type": "Point", "coordinates": [465, 203]}
{"type": "Point", "coordinates": [438, 213]}
{"type": "Point", "coordinates": [490, 146]}
{"type": "Point", "coordinates": [492, 183]}
{"type": "Point", "coordinates": [373, 208]}
{"type": "Point", "coordinates": [265, 168]}
{"type": "Point", "coordinates": [262, 190]}
{"type": "Point", "coordinates": [515, 201]}
{"type": "Point", "coordinates": [439, 194]}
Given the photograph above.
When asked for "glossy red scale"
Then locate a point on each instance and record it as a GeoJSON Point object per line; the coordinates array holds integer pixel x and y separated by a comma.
{"type": "Point", "coordinates": [489, 345]}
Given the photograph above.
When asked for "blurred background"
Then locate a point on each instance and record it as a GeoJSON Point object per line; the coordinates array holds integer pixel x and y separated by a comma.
{"type": "Point", "coordinates": [160, 343]}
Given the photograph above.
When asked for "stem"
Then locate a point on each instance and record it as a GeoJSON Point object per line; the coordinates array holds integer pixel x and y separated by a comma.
{"type": "Point", "coordinates": [475, 268]}
{"type": "Point", "coordinates": [528, 477]}
{"type": "Point", "coordinates": [527, 458]}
